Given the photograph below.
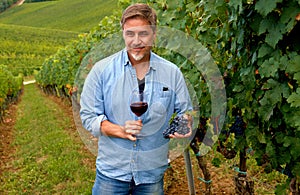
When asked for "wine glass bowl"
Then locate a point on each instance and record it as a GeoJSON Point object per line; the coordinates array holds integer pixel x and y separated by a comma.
{"type": "Point", "coordinates": [138, 103]}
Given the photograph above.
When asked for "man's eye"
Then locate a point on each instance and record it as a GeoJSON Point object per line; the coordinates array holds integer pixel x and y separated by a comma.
{"type": "Point", "coordinates": [143, 34]}
{"type": "Point", "coordinates": [129, 34]}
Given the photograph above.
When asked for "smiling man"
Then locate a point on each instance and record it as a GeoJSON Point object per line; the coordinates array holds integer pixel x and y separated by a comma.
{"type": "Point", "coordinates": [126, 164]}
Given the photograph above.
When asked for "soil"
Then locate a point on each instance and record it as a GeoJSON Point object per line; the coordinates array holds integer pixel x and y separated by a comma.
{"type": "Point", "coordinates": [6, 136]}
{"type": "Point", "coordinates": [175, 177]}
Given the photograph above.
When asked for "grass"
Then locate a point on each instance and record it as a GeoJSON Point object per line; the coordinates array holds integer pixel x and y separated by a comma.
{"type": "Point", "coordinates": [68, 15]}
{"type": "Point", "coordinates": [49, 156]}
{"type": "Point", "coordinates": [264, 183]}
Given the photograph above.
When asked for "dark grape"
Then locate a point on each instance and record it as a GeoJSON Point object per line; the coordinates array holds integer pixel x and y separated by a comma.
{"type": "Point", "coordinates": [238, 126]}
{"type": "Point", "coordinates": [288, 172]}
{"type": "Point", "coordinates": [179, 125]}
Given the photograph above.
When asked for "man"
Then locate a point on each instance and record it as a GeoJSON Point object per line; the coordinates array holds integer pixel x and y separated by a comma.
{"type": "Point", "coordinates": [126, 164]}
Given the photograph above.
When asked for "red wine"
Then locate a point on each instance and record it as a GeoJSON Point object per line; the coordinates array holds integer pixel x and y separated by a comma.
{"type": "Point", "coordinates": [139, 108]}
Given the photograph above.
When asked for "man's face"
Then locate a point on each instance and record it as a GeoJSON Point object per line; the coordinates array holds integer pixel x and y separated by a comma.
{"type": "Point", "coordinates": [139, 37]}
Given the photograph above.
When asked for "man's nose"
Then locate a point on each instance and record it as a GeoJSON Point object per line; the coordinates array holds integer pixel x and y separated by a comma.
{"type": "Point", "coordinates": [136, 39]}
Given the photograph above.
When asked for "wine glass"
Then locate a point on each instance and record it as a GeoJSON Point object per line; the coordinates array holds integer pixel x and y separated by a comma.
{"type": "Point", "coordinates": [138, 104]}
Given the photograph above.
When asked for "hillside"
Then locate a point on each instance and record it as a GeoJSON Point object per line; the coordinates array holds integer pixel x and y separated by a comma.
{"type": "Point", "coordinates": [25, 48]}
{"type": "Point", "coordinates": [68, 15]}
{"type": "Point", "coordinates": [32, 32]}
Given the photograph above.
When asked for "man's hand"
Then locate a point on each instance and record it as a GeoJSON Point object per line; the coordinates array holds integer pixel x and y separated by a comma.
{"type": "Point", "coordinates": [132, 128]}
{"type": "Point", "coordinates": [189, 118]}
{"type": "Point", "coordinates": [128, 131]}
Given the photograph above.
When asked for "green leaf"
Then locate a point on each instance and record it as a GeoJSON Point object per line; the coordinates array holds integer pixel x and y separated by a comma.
{"type": "Point", "coordinates": [273, 37]}
{"type": "Point", "coordinates": [237, 4]}
{"type": "Point", "coordinates": [238, 88]}
{"type": "Point", "coordinates": [261, 138]}
{"type": "Point", "coordinates": [295, 148]}
{"type": "Point", "coordinates": [265, 112]}
{"type": "Point", "coordinates": [269, 101]}
{"type": "Point", "coordinates": [294, 65]}
{"type": "Point", "coordinates": [216, 162]}
{"type": "Point", "coordinates": [297, 77]}
{"type": "Point", "coordinates": [270, 149]}
{"type": "Point", "coordinates": [296, 169]}
{"type": "Point", "coordinates": [294, 99]}
{"type": "Point", "coordinates": [268, 68]}
{"type": "Point", "coordinates": [288, 15]}
{"type": "Point", "coordinates": [279, 137]}
{"type": "Point", "coordinates": [287, 141]}
{"type": "Point", "coordinates": [264, 50]}
{"type": "Point", "coordinates": [291, 117]}
{"type": "Point", "coordinates": [265, 24]}
{"type": "Point", "coordinates": [264, 7]}
{"type": "Point", "coordinates": [271, 97]}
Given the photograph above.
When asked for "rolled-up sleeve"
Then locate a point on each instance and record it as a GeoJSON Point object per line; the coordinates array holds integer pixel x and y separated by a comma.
{"type": "Point", "coordinates": [92, 103]}
{"type": "Point", "coordinates": [183, 101]}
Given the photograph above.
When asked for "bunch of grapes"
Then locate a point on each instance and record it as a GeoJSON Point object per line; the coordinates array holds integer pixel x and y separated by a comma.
{"type": "Point", "coordinates": [179, 124]}
{"type": "Point", "coordinates": [238, 126]}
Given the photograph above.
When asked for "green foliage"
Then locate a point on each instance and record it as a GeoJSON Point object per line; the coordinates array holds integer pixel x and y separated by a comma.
{"type": "Point", "coordinates": [254, 44]}
{"type": "Point", "coordinates": [60, 69]}
{"type": "Point", "coordinates": [10, 88]}
{"type": "Point", "coordinates": [68, 15]}
{"type": "Point", "coordinates": [24, 49]}
{"type": "Point", "coordinates": [4, 4]}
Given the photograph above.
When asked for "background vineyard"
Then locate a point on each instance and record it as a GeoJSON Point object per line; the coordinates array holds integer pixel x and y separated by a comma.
{"type": "Point", "coordinates": [24, 49]}
{"type": "Point", "coordinates": [31, 33]}
{"type": "Point", "coordinates": [256, 46]}
{"type": "Point", "coordinates": [4, 4]}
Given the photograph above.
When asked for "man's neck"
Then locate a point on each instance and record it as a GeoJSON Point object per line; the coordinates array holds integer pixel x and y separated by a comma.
{"type": "Point", "coordinates": [141, 66]}
{"type": "Point", "coordinates": [141, 69]}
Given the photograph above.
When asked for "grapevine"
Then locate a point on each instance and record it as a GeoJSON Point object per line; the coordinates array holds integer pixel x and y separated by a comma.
{"type": "Point", "coordinates": [256, 46]}
{"type": "Point", "coordinates": [10, 89]}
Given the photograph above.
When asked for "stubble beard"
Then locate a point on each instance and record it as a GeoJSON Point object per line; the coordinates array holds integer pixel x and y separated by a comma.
{"type": "Point", "coordinates": [137, 57]}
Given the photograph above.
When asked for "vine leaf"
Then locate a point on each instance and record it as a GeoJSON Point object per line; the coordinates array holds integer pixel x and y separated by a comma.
{"type": "Point", "coordinates": [237, 4]}
{"type": "Point", "coordinates": [294, 98]}
{"type": "Point", "coordinates": [287, 141]}
{"type": "Point", "coordinates": [264, 7]}
{"type": "Point", "coordinates": [264, 50]}
{"type": "Point", "coordinates": [295, 147]}
{"type": "Point", "coordinates": [273, 37]}
{"type": "Point", "coordinates": [269, 68]}
{"type": "Point", "coordinates": [266, 24]}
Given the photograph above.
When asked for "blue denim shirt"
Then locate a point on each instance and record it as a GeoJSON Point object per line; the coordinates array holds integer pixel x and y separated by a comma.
{"type": "Point", "coordinates": [106, 96]}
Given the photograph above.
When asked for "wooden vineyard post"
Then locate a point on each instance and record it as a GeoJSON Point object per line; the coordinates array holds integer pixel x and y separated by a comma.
{"type": "Point", "coordinates": [203, 166]}
{"type": "Point", "coordinates": [294, 186]}
{"type": "Point", "coordinates": [242, 184]}
{"type": "Point", "coordinates": [189, 171]}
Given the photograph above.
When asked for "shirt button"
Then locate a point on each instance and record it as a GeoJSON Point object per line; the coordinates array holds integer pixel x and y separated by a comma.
{"type": "Point", "coordinates": [134, 145]}
{"type": "Point", "coordinates": [132, 161]}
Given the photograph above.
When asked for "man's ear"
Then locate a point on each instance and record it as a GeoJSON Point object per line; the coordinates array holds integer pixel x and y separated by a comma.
{"type": "Point", "coordinates": [154, 38]}
{"type": "Point", "coordinates": [123, 35]}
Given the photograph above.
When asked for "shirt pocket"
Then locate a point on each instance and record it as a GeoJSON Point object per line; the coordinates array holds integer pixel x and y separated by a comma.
{"type": "Point", "coordinates": [163, 97]}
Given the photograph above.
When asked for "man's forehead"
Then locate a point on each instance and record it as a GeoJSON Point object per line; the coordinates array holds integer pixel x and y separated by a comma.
{"type": "Point", "coordinates": [138, 28]}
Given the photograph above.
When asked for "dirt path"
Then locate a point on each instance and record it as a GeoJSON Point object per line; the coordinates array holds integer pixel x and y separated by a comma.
{"type": "Point", "coordinates": [20, 2]}
{"type": "Point", "coordinates": [6, 136]}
